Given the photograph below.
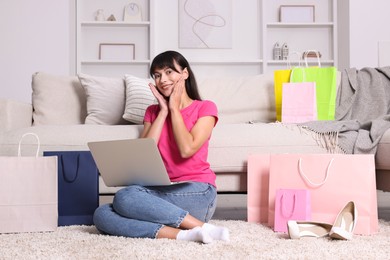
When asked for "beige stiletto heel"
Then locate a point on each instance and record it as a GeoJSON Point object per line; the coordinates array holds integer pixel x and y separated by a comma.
{"type": "Point", "coordinates": [345, 222]}
{"type": "Point", "coordinates": [298, 229]}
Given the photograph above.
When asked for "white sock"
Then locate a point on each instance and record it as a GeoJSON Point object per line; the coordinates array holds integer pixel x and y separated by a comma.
{"type": "Point", "coordinates": [216, 232]}
{"type": "Point", "coordinates": [196, 234]}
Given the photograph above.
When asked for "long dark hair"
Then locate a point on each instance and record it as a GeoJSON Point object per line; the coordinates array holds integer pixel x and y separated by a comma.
{"type": "Point", "coordinates": [167, 60]}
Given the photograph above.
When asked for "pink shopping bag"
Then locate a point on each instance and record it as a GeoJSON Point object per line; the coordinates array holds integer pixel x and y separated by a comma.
{"type": "Point", "coordinates": [257, 188]}
{"type": "Point", "coordinates": [333, 180]}
{"type": "Point", "coordinates": [28, 192]}
{"type": "Point", "coordinates": [291, 204]}
{"type": "Point", "coordinates": [299, 102]}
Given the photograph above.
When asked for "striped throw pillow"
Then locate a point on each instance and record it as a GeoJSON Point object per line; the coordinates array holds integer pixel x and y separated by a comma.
{"type": "Point", "coordinates": [138, 98]}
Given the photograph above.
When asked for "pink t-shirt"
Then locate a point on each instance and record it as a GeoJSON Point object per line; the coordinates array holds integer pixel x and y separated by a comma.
{"type": "Point", "coordinates": [195, 168]}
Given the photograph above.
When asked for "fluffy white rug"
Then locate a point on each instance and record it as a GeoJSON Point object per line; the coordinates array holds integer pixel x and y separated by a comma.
{"type": "Point", "coordinates": [248, 241]}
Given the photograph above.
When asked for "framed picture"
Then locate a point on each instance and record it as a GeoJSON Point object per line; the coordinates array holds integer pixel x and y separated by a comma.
{"type": "Point", "coordinates": [206, 24]}
{"type": "Point", "coordinates": [117, 51]}
{"type": "Point", "coordinates": [297, 13]}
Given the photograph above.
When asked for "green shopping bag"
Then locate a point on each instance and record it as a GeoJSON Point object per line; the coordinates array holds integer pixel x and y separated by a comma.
{"type": "Point", "coordinates": [325, 79]}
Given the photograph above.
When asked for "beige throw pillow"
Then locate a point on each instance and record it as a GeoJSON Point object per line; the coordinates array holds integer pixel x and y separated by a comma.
{"type": "Point", "coordinates": [138, 98]}
{"type": "Point", "coordinates": [105, 99]}
{"type": "Point", "coordinates": [241, 99]}
{"type": "Point", "coordinates": [57, 100]}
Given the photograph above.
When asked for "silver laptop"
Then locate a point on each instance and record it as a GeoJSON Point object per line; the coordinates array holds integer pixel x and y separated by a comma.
{"type": "Point", "coordinates": [130, 161]}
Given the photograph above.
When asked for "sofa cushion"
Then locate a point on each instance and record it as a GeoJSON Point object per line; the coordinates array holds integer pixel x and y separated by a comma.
{"type": "Point", "coordinates": [138, 98]}
{"type": "Point", "coordinates": [57, 100]}
{"type": "Point", "coordinates": [105, 99]}
{"type": "Point", "coordinates": [63, 138]}
{"type": "Point", "coordinates": [382, 161]}
{"type": "Point", "coordinates": [242, 99]}
{"type": "Point", "coordinates": [231, 144]}
{"type": "Point", "coordinates": [14, 114]}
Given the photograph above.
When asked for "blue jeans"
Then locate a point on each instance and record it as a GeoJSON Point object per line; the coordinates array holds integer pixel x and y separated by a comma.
{"type": "Point", "coordinates": [139, 211]}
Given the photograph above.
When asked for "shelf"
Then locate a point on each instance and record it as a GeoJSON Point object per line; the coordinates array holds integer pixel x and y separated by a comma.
{"type": "Point", "coordinates": [106, 62]}
{"type": "Point", "coordinates": [299, 25]}
{"type": "Point", "coordinates": [90, 33]}
{"type": "Point", "coordinates": [115, 24]}
{"type": "Point", "coordinates": [278, 62]}
{"type": "Point", "coordinates": [243, 57]}
{"type": "Point", "coordinates": [319, 35]}
{"type": "Point", "coordinates": [227, 62]}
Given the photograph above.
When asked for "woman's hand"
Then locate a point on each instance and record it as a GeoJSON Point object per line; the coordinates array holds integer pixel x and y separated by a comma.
{"type": "Point", "coordinates": [153, 130]}
{"type": "Point", "coordinates": [161, 100]}
{"type": "Point", "coordinates": [175, 98]}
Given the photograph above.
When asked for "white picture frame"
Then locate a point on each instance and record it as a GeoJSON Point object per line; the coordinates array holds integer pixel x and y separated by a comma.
{"type": "Point", "coordinates": [297, 13]}
{"type": "Point", "coordinates": [117, 51]}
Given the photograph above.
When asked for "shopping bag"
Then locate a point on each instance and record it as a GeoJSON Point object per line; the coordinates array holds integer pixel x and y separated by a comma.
{"type": "Point", "coordinates": [280, 77]}
{"type": "Point", "coordinates": [257, 188]}
{"type": "Point", "coordinates": [78, 187]}
{"type": "Point", "coordinates": [299, 102]}
{"type": "Point", "coordinates": [28, 192]}
{"type": "Point", "coordinates": [333, 180]}
{"type": "Point", "coordinates": [291, 204]}
{"type": "Point", "coordinates": [325, 79]}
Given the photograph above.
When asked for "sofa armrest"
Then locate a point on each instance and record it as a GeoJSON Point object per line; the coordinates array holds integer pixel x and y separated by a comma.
{"type": "Point", "coordinates": [14, 115]}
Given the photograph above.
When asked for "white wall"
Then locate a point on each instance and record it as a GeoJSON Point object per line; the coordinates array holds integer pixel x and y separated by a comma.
{"type": "Point", "coordinates": [367, 29]}
{"type": "Point", "coordinates": [368, 25]}
{"type": "Point", "coordinates": [343, 34]}
{"type": "Point", "coordinates": [35, 36]}
{"type": "Point", "coordinates": [39, 36]}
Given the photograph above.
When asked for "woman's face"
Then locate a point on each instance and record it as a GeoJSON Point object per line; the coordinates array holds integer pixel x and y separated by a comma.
{"type": "Point", "coordinates": [166, 79]}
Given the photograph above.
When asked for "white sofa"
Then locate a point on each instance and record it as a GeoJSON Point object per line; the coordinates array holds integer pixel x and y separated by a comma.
{"type": "Point", "coordinates": [67, 114]}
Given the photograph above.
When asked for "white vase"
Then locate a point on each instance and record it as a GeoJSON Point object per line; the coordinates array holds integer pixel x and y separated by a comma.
{"type": "Point", "coordinates": [100, 15]}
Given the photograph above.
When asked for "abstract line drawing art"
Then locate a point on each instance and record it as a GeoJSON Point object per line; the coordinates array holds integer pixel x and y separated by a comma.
{"type": "Point", "coordinates": [205, 24]}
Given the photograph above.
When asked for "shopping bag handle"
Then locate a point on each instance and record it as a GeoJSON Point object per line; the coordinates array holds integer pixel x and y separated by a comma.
{"type": "Point", "coordinates": [289, 59]}
{"type": "Point", "coordinates": [20, 143]}
{"type": "Point", "coordinates": [303, 73]}
{"type": "Point", "coordinates": [283, 210]}
{"type": "Point", "coordinates": [317, 54]}
{"type": "Point", "coordinates": [66, 177]}
{"type": "Point", "coordinates": [313, 184]}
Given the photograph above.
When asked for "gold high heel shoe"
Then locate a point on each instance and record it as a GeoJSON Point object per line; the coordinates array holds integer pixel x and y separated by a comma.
{"type": "Point", "coordinates": [298, 229]}
{"type": "Point", "coordinates": [345, 222]}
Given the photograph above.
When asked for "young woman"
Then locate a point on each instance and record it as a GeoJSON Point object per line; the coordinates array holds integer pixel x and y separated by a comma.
{"type": "Point", "coordinates": [181, 124]}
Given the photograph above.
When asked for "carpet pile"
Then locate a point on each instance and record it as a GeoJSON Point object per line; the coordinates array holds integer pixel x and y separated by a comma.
{"type": "Point", "coordinates": [248, 241]}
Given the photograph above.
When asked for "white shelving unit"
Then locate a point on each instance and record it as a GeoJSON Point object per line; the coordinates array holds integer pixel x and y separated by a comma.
{"type": "Point", "coordinates": [256, 28]}
{"type": "Point", "coordinates": [320, 35]}
{"type": "Point", "coordinates": [90, 34]}
{"type": "Point", "coordinates": [266, 29]}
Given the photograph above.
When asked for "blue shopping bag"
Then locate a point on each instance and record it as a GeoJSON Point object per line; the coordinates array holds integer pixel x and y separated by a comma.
{"type": "Point", "coordinates": [78, 187]}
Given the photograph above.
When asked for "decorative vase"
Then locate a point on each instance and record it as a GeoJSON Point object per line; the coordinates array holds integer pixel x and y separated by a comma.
{"type": "Point", "coordinates": [100, 15]}
{"type": "Point", "coordinates": [277, 51]}
{"type": "Point", "coordinates": [285, 51]}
